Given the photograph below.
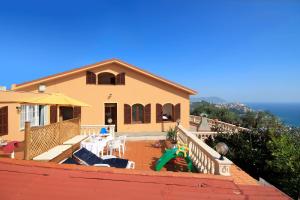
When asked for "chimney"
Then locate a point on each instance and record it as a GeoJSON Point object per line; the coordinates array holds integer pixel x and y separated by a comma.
{"type": "Point", "coordinates": [12, 87]}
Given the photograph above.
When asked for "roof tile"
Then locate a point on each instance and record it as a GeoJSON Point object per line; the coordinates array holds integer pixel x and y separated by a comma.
{"type": "Point", "coordinates": [31, 180]}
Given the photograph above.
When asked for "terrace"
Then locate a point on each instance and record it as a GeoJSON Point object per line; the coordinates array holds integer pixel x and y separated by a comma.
{"type": "Point", "coordinates": [145, 153]}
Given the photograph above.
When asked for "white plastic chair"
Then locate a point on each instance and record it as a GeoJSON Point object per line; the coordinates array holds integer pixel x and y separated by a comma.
{"type": "Point", "coordinates": [114, 145]}
{"type": "Point", "coordinates": [101, 148]}
{"type": "Point", "coordinates": [123, 142]}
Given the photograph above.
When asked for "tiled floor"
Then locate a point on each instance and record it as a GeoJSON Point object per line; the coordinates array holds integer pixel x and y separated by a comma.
{"type": "Point", "coordinates": [145, 155]}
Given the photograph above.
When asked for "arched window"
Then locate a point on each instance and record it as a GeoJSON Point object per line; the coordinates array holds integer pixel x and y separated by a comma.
{"type": "Point", "coordinates": [106, 78]}
{"type": "Point", "coordinates": [138, 113]}
{"type": "Point", "coordinates": [168, 112]}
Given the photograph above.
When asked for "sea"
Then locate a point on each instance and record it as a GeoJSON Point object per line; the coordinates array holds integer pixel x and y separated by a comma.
{"type": "Point", "coordinates": [289, 113]}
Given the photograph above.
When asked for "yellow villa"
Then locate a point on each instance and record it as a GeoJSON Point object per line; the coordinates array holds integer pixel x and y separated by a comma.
{"type": "Point", "coordinates": [56, 123]}
{"type": "Point", "coordinates": [117, 93]}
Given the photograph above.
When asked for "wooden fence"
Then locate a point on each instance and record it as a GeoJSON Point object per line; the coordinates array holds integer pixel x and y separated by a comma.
{"type": "Point", "coordinates": [40, 139]}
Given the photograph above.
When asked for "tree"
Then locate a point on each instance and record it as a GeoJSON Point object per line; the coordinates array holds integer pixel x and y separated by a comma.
{"type": "Point", "coordinates": [285, 163]}
{"type": "Point", "coordinates": [270, 149]}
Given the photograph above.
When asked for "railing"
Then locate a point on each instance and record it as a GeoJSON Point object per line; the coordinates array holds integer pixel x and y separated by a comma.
{"type": "Point", "coordinates": [95, 129]}
{"type": "Point", "coordinates": [204, 158]}
{"type": "Point", "coordinates": [218, 125]}
{"type": "Point", "coordinates": [40, 139]}
{"type": "Point", "coordinates": [204, 135]}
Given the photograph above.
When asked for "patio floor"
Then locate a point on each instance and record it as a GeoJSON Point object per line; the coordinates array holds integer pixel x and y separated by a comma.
{"type": "Point", "coordinates": [145, 155]}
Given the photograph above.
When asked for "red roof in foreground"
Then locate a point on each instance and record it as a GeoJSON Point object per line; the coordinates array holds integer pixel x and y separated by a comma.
{"type": "Point", "coordinates": [31, 180]}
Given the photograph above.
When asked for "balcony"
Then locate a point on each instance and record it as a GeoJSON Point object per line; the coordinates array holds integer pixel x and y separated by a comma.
{"type": "Point", "coordinates": [145, 154]}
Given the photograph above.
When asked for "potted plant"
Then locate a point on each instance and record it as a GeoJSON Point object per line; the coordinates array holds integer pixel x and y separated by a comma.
{"type": "Point", "coordinates": [172, 135]}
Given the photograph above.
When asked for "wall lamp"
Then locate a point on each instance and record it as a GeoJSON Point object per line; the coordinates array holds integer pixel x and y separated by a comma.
{"type": "Point", "coordinates": [18, 109]}
{"type": "Point", "coordinates": [42, 88]}
{"type": "Point", "coordinates": [222, 149]}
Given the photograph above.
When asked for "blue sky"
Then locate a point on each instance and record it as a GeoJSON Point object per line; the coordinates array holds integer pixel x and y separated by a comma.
{"type": "Point", "coordinates": [241, 50]}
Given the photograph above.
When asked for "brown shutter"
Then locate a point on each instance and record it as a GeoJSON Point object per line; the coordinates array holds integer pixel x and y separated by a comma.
{"type": "Point", "coordinates": [173, 113]}
{"type": "Point", "coordinates": [77, 112]}
{"type": "Point", "coordinates": [90, 78]}
{"type": "Point", "coordinates": [147, 113]}
{"type": "Point", "coordinates": [127, 114]}
{"type": "Point", "coordinates": [177, 112]}
{"type": "Point", "coordinates": [158, 113]}
{"type": "Point", "coordinates": [120, 79]}
{"type": "Point", "coordinates": [4, 120]}
{"type": "Point", "coordinates": [53, 114]}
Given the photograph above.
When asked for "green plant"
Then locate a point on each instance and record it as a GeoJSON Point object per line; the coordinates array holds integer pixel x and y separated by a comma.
{"type": "Point", "coordinates": [272, 154]}
{"type": "Point", "coordinates": [171, 134]}
{"type": "Point", "coordinates": [270, 150]}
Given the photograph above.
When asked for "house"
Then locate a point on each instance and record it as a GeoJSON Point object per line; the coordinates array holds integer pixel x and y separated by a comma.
{"type": "Point", "coordinates": [117, 92]}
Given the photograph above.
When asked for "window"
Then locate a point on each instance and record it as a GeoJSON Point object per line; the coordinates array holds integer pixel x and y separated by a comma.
{"type": "Point", "coordinates": [138, 113]}
{"type": "Point", "coordinates": [168, 112]}
{"type": "Point", "coordinates": [66, 113]}
{"type": "Point", "coordinates": [35, 114]}
{"type": "Point", "coordinates": [106, 78]}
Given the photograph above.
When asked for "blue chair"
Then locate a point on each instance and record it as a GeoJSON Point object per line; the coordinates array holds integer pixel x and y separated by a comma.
{"type": "Point", "coordinates": [90, 159]}
{"type": "Point", "coordinates": [69, 161]}
{"type": "Point", "coordinates": [103, 131]}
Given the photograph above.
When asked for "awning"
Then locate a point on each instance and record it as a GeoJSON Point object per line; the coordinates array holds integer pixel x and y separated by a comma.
{"type": "Point", "coordinates": [54, 99]}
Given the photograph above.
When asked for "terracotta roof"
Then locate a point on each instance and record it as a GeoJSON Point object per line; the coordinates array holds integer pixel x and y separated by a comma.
{"type": "Point", "coordinates": [32, 180]}
{"type": "Point", "coordinates": [92, 66]}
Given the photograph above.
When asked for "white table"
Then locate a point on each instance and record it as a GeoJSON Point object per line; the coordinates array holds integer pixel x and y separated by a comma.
{"type": "Point", "coordinates": [3, 143]}
{"type": "Point", "coordinates": [95, 144]}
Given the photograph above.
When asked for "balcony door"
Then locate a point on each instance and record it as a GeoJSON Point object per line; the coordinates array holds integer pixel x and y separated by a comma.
{"type": "Point", "coordinates": [111, 113]}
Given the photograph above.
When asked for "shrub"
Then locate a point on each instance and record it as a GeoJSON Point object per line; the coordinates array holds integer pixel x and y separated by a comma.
{"type": "Point", "coordinates": [171, 135]}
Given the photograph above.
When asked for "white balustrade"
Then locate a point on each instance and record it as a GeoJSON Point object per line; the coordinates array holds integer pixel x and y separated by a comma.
{"type": "Point", "coordinates": [222, 126]}
{"type": "Point", "coordinates": [204, 135]}
{"type": "Point", "coordinates": [204, 158]}
{"type": "Point", "coordinates": [95, 129]}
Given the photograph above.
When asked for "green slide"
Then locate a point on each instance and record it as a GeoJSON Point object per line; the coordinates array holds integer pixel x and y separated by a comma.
{"type": "Point", "coordinates": [166, 157]}
{"type": "Point", "coordinates": [190, 165]}
{"type": "Point", "coordinates": [169, 155]}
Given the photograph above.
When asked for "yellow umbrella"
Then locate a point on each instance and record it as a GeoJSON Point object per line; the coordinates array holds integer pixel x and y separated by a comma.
{"type": "Point", "coordinates": [54, 99]}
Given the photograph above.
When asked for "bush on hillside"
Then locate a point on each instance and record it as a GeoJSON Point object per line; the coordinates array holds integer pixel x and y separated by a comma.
{"type": "Point", "coordinates": [270, 150]}
{"type": "Point", "coordinates": [268, 154]}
